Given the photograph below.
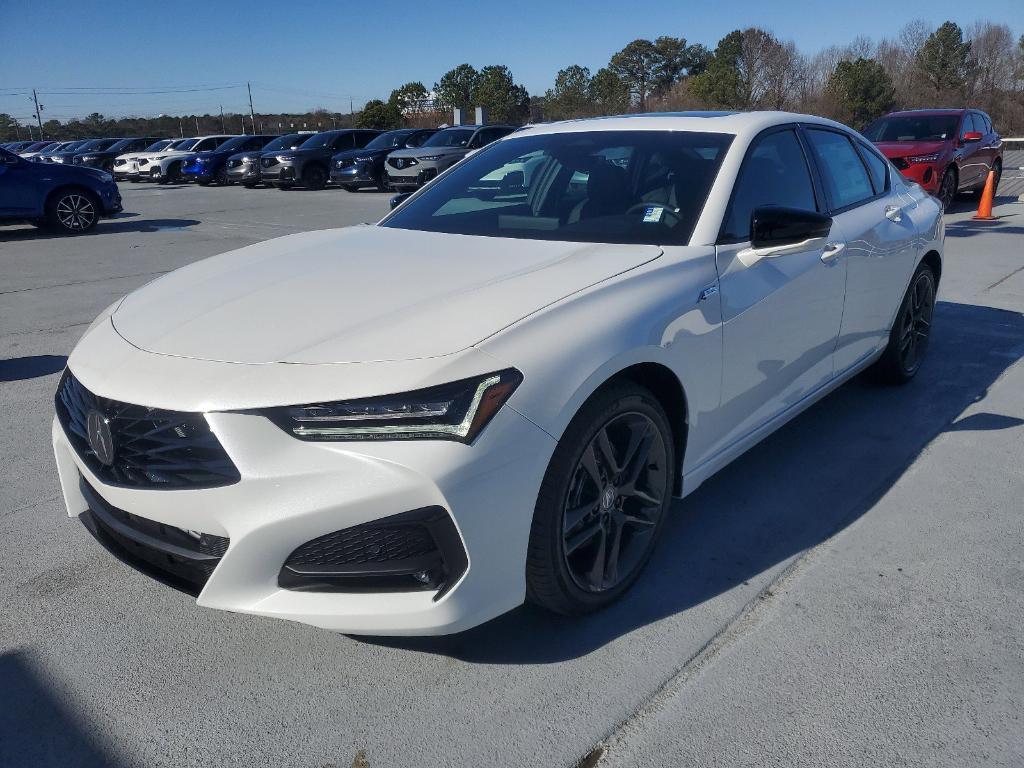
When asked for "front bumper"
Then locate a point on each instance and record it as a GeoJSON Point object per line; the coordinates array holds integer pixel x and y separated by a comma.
{"type": "Point", "coordinates": [353, 175]}
{"type": "Point", "coordinates": [110, 199]}
{"type": "Point", "coordinates": [246, 173]}
{"type": "Point", "coordinates": [196, 171]}
{"type": "Point", "coordinates": [291, 492]}
{"type": "Point", "coordinates": [928, 175]}
{"type": "Point", "coordinates": [279, 173]}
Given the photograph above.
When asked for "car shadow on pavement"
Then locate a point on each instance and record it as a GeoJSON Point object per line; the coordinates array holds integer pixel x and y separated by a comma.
{"type": "Point", "coordinates": [20, 368]}
{"type": "Point", "coordinates": [37, 726]}
{"type": "Point", "coordinates": [104, 227]}
{"type": "Point", "coordinates": [809, 480]}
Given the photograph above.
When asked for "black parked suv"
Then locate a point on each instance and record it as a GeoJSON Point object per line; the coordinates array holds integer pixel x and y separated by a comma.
{"type": "Point", "coordinates": [409, 169]}
{"type": "Point", "coordinates": [92, 145]}
{"type": "Point", "coordinates": [104, 158]}
{"type": "Point", "coordinates": [309, 165]}
{"type": "Point", "coordinates": [244, 167]}
{"type": "Point", "coordinates": [356, 168]}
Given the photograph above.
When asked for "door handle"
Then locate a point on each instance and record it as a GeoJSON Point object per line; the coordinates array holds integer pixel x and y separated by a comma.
{"type": "Point", "coordinates": [894, 213]}
{"type": "Point", "coordinates": [831, 252]}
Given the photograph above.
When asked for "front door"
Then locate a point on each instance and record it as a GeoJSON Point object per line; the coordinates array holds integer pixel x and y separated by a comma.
{"type": "Point", "coordinates": [18, 185]}
{"type": "Point", "coordinates": [781, 314]}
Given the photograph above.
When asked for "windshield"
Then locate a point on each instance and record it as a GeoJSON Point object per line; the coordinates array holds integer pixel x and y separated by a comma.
{"type": "Point", "coordinates": [235, 144]}
{"type": "Point", "coordinates": [122, 144]}
{"type": "Point", "coordinates": [645, 187]}
{"type": "Point", "coordinates": [452, 137]}
{"type": "Point", "coordinates": [319, 141]}
{"type": "Point", "coordinates": [913, 128]}
{"type": "Point", "coordinates": [69, 146]}
{"type": "Point", "coordinates": [389, 140]}
{"type": "Point", "coordinates": [184, 145]}
{"type": "Point", "coordinates": [157, 146]}
{"type": "Point", "coordinates": [284, 142]}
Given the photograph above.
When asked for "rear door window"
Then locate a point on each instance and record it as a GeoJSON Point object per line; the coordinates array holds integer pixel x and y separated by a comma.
{"type": "Point", "coordinates": [878, 169]}
{"type": "Point", "coordinates": [774, 172]}
{"type": "Point", "coordinates": [845, 177]}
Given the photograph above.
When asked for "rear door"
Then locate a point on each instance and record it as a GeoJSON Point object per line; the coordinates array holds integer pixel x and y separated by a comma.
{"type": "Point", "coordinates": [879, 230]}
{"type": "Point", "coordinates": [781, 315]}
{"type": "Point", "coordinates": [972, 158]}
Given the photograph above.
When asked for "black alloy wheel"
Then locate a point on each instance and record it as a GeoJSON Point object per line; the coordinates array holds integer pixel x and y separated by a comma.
{"type": "Point", "coordinates": [602, 503]}
{"type": "Point", "coordinates": [383, 182]}
{"type": "Point", "coordinates": [73, 212]}
{"type": "Point", "coordinates": [221, 177]}
{"type": "Point", "coordinates": [947, 189]}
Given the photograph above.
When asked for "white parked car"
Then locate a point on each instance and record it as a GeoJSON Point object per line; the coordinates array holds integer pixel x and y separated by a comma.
{"type": "Point", "coordinates": [126, 166]}
{"type": "Point", "coordinates": [493, 394]}
{"type": "Point", "coordinates": [165, 166]}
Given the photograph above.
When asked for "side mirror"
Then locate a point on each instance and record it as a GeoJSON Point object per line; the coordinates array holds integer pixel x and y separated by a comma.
{"type": "Point", "coordinates": [972, 136]}
{"type": "Point", "coordinates": [772, 227]}
{"type": "Point", "coordinates": [397, 200]}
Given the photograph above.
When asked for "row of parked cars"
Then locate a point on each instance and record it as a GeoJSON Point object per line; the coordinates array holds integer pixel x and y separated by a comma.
{"type": "Point", "coordinates": [946, 151]}
{"type": "Point", "coordinates": [351, 158]}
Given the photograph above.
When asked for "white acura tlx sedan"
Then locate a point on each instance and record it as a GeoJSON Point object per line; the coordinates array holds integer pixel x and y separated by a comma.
{"type": "Point", "coordinates": [493, 394]}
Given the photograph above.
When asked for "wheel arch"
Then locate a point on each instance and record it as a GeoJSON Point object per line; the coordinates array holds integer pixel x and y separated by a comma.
{"type": "Point", "coordinates": [934, 262]}
{"type": "Point", "coordinates": [68, 187]}
{"type": "Point", "coordinates": [666, 387]}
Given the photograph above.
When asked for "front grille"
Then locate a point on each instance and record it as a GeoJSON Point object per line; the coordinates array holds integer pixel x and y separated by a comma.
{"type": "Point", "coordinates": [233, 163]}
{"type": "Point", "coordinates": [142, 161]}
{"type": "Point", "coordinates": [120, 162]}
{"type": "Point", "coordinates": [153, 448]}
{"type": "Point", "coordinates": [343, 163]}
{"type": "Point", "coordinates": [900, 163]}
{"type": "Point", "coordinates": [183, 559]}
{"type": "Point", "coordinates": [402, 162]}
{"type": "Point", "coordinates": [403, 179]}
{"type": "Point", "coordinates": [416, 550]}
{"type": "Point", "coordinates": [267, 162]}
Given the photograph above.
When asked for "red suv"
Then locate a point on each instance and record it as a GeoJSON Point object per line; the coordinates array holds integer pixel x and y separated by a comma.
{"type": "Point", "coordinates": [946, 151]}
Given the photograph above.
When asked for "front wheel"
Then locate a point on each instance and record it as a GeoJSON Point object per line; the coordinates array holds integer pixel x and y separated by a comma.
{"type": "Point", "coordinates": [72, 212]}
{"type": "Point", "coordinates": [908, 339]}
{"type": "Point", "coordinates": [602, 502]}
{"type": "Point", "coordinates": [314, 177]}
{"type": "Point", "coordinates": [221, 177]}
{"type": "Point", "coordinates": [947, 189]}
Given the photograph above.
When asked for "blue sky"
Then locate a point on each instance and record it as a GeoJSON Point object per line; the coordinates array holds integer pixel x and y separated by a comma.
{"type": "Point", "coordinates": [302, 54]}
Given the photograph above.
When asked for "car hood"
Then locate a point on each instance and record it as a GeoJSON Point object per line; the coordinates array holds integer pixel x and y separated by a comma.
{"type": "Point", "coordinates": [360, 294]}
{"type": "Point", "coordinates": [905, 148]}
{"type": "Point", "coordinates": [308, 152]}
{"type": "Point", "coordinates": [352, 154]}
{"type": "Point", "coordinates": [429, 151]}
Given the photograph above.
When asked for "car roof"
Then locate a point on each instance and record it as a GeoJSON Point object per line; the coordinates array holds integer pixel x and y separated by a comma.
{"type": "Point", "coordinates": [927, 112]}
{"type": "Point", "coordinates": [735, 123]}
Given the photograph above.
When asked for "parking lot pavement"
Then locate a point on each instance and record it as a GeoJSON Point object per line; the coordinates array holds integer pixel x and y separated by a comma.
{"type": "Point", "coordinates": [849, 592]}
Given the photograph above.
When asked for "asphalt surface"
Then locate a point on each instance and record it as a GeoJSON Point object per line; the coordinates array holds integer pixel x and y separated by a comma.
{"type": "Point", "coordinates": [850, 592]}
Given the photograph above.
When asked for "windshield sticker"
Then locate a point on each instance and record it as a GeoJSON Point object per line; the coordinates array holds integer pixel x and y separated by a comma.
{"type": "Point", "coordinates": [652, 214]}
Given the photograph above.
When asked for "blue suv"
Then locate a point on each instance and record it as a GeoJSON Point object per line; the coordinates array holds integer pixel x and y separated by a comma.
{"type": "Point", "coordinates": [70, 199]}
{"type": "Point", "coordinates": [205, 167]}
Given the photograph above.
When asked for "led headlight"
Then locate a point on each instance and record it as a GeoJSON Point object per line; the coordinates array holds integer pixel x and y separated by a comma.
{"type": "Point", "coordinates": [456, 411]}
{"type": "Point", "coordinates": [924, 158]}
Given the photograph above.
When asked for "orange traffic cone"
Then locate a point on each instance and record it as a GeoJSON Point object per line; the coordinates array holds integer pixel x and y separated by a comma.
{"type": "Point", "coordinates": [985, 206]}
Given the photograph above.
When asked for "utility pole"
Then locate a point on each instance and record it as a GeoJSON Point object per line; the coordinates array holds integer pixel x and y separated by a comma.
{"type": "Point", "coordinates": [197, 125]}
{"type": "Point", "coordinates": [242, 118]}
{"type": "Point", "coordinates": [222, 129]}
{"type": "Point", "coordinates": [39, 116]}
{"type": "Point", "coordinates": [181, 128]}
{"type": "Point", "coordinates": [252, 112]}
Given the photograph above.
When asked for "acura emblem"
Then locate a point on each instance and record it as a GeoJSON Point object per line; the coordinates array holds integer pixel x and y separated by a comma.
{"type": "Point", "coordinates": [101, 439]}
{"type": "Point", "coordinates": [400, 163]}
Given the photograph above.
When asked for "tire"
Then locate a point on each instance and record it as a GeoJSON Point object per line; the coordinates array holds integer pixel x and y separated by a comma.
{"type": "Point", "coordinates": [997, 166]}
{"type": "Point", "coordinates": [72, 211]}
{"type": "Point", "coordinates": [221, 177]}
{"type": "Point", "coordinates": [285, 185]}
{"type": "Point", "coordinates": [173, 174]}
{"type": "Point", "coordinates": [908, 339]}
{"type": "Point", "coordinates": [314, 177]}
{"type": "Point", "coordinates": [383, 184]}
{"type": "Point", "coordinates": [350, 187]}
{"type": "Point", "coordinates": [203, 182]}
{"type": "Point", "coordinates": [946, 192]}
{"type": "Point", "coordinates": [249, 186]}
{"type": "Point", "coordinates": [586, 502]}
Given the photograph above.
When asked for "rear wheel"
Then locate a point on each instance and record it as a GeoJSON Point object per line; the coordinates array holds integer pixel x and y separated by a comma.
{"type": "Point", "coordinates": [72, 211]}
{"type": "Point", "coordinates": [350, 187]}
{"type": "Point", "coordinates": [173, 174]}
{"type": "Point", "coordinates": [314, 177]}
{"type": "Point", "coordinates": [221, 177]}
{"type": "Point", "coordinates": [602, 503]}
{"type": "Point", "coordinates": [908, 339]}
{"type": "Point", "coordinates": [383, 183]}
